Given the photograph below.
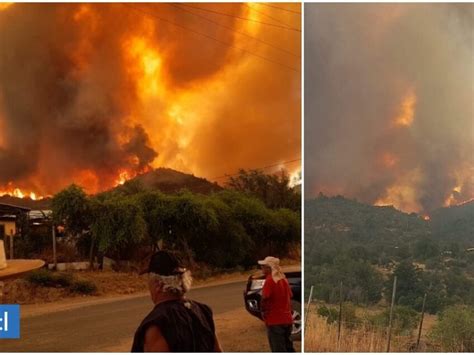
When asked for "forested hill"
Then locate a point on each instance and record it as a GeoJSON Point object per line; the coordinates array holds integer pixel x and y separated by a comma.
{"type": "Point", "coordinates": [363, 246]}
{"type": "Point", "coordinates": [345, 218]}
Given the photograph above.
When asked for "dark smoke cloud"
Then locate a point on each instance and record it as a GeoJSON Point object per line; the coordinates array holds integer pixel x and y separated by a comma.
{"type": "Point", "coordinates": [361, 59]}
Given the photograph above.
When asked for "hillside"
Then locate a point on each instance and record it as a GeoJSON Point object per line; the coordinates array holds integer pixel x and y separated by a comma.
{"type": "Point", "coordinates": [43, 204]}
{"type": "Point", "coordinates": [171, 181]}
{"type": "Point", "coordinates": [363, 246]}
{"type": "Point", "coordinates": [163, 179]}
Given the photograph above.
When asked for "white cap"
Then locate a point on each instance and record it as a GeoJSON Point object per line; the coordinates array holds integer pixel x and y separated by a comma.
{"type": "Point", "coordinates": [270, 261]}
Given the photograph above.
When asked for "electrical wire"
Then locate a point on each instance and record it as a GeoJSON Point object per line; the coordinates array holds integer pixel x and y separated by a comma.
{"type": "Point", "coordinates": [261, 168]}
{"type": "Point", "coordinates": [242, 18]}
{"type": "Point", "coordinates": [237, 32]}
{"type": "Point", "coordinates": [211, 38]}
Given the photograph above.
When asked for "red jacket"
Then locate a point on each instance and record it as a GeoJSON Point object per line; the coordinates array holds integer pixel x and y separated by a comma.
{"type": "Point", "coordinates": [276, 302]}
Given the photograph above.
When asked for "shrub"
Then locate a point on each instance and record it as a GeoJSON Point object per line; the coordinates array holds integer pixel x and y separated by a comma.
{"type": "Point", "coordinates": [83, 286]}
{"type": "Point", "coordinates": [47, 278]}
{"type": "Point", "coordinates": [404, 320]}
{"type": "Point", "coordinates": [349, 317]}
{"type": "Point", "coordinates": [454, 331]}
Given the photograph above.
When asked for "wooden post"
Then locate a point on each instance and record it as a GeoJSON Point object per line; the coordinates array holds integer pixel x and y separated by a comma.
{"type": "Point", "coordinates": [339, 321]}
{"type": "Point", "coordinates": [55, 259]}
{"type": "Point", "coordinates": [307, 307]}
{"type": "Point", "coordinates": [421, 321]}
{"type": "Point", "coordinates": [91, 254]}
{"type": "Point", "coordinates": [11, 247]}
{"type": "Point", "coordinates": [394, 292]}
{"type": "Point", "coordinates": [2, 285]}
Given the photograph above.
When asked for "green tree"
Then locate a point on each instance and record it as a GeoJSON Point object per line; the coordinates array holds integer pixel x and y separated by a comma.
{"type": "Point", "coordinates": [72, 208]}
{"type": "Point", "coordinates": [274, 190]}
{"type": "Point", "coordinates": [409, 285]}
{"type": "Point", "coordinates": [118, 227]}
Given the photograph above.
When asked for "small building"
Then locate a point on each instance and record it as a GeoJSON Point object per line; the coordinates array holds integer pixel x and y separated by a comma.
{"type": "Point", "coordinates": [9, 217]}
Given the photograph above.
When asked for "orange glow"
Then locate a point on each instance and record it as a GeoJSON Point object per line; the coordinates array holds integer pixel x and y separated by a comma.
{"type": "Point", "coordinates": [146, 67]}
{"type": "Point", "coordinates": [192, 96]}
{"type": "Point", "coordinates": [123, 177]}
{"type": "Point", "coordinates": [19, 193]}
{"type": "Point", "coordinates": [403, 193]}
{"type": "Point", "coordinates": [426, 217]}
{"type": "Point", "coordinates": [389, 160]}
{"type": "Point", "coordinates": [5, 5]}
{"type": "Point", "coordinates": [407, 110]}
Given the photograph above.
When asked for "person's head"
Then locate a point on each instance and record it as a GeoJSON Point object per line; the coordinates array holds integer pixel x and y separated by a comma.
{"type": "Point", "coordinates": [269, 264]}
{"type": "Point", "coordinates": [166, 276]}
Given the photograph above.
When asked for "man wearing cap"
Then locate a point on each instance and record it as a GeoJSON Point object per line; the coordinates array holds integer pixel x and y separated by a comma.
{"type": "Point", "coordinates": [276, 306]}
{"type": "Point", "coordinates": [176, 324]}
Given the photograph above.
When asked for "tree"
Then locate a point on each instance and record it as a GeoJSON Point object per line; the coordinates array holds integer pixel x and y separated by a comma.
{"type": "Point", "coordinates": [72, 208]}
{"type": "Point", "coordinates": [274, 190]}
{"type": "Point", "coordinates": [118, 227]}
{"type": "Point", "coordinates": [409, 289]}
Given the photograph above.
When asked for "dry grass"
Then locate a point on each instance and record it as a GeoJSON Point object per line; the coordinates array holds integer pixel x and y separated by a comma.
{"type": "Point", "coordinates": [323, 337]}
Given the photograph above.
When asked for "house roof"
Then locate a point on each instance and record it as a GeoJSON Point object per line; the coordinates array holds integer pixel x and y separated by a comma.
{"type": "Point", "coordinates": [7, 209]}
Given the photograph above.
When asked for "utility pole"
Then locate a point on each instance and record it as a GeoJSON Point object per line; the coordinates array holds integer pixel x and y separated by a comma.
{"type": "Point", "coordinates": [394, 292]}
{"type": "Point", "coordinates": [11, 246]}
{"type": "Point", "coordinates": [340, 315]}
{"type": "Point", "coordinates": [307, 307]}
{"type": "Point", "coordinates": [55, 259]}
{"type": "Point", "coordinates": [421, 321]}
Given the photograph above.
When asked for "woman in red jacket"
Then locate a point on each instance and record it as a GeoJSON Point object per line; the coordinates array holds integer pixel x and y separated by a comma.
{"type": "Point", "coordinates": [276, 306]}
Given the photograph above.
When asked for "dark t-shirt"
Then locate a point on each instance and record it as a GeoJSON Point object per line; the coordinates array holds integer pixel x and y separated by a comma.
{"type": "Point", "coordinates": [186, 325]}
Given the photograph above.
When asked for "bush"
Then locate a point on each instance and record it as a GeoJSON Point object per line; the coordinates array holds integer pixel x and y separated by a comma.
{"type": "Point", "coordinates": [331, 314]}
{"type": "Point", "coordinates": [454, 331]}
{"type": "Point", "coordinates": [47, 278]}
{"type": "Point", "coordinates": [349, 317]}
{"type": "Point", "coordinates": [84, 287]}
{"type": "Point", "coordinates": [404, 320]}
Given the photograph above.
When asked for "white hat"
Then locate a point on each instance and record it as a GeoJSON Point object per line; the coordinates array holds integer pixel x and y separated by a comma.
{"type": "Point", "coordinates": [270, 261]}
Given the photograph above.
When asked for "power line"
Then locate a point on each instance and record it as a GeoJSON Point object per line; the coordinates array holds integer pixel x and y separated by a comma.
{"type": "Point", "coordinates": [212, 38]}
{"type": "Point", "coordinates": [242, 18]}
{"type": "Point", "coordinates": [261, 168]}
{"type": "Point", "coordinates": [266, 15]}
{"type": "Point", "coordinates": [232, 30]}
{"type": "Point", "coordinates": [281, 8]}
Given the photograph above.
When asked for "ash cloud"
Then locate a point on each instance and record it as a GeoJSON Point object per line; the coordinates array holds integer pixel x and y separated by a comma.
{"type": "Point", "coordinates": [361, 60]}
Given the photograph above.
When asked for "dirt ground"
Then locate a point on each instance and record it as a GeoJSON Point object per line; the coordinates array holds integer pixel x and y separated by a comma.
{"type": "Point", "coordinates": [237, 332]}
{"type": "Point", "coordinates": [109, 284]}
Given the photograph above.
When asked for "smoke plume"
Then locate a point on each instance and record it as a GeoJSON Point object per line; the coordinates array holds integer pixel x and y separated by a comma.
{"type": "Point", "coordinates": [90, 92]}
{"type": "Point", "coordinates": [389, 103]}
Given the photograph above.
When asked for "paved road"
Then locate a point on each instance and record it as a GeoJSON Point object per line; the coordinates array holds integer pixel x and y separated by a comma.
{"type": "Point", "coordinates": [96, 327]}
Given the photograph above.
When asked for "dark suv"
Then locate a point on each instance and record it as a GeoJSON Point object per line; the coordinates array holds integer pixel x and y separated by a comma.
{"type": "Point", "coordinates": [253, 296]}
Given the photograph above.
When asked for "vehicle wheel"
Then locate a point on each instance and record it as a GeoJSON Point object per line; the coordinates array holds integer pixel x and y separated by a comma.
{"type": "Point", "coordinates": [297, 321]}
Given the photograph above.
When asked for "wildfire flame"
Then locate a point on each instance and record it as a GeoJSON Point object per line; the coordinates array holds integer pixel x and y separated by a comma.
{"type": "Point", "coordinates": [123, 177]}
{"type": "Point", "coordinates": [17, 192]}
{"type": "Point", "coordinates": [136, 93]}
{"type": "Point", "coordinates": [407, 110]}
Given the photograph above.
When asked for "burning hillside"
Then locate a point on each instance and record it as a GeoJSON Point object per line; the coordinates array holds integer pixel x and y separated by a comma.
{"type": "Point", "coordinates": [95, 94]}
{"type": "Point", "coordinates": [389, 114]}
